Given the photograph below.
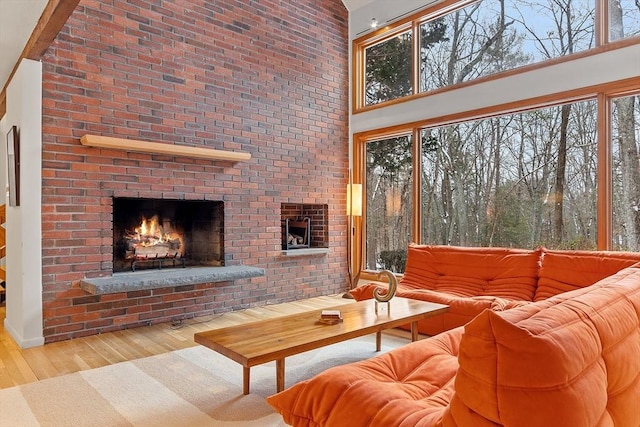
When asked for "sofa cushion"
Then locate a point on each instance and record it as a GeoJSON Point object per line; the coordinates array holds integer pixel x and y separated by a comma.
{"type": "Point", "coordinates": [460, 271]}
{"type": "Point", "coordinates": [461, 309]}
{"type": "Point", "coordinates": [410, 383]}
{"type": "Point", "coordinates": [570, 360]}
{"type": "Point", "coordinates": [468, 280]}
{"type": "Point", "coordinates": [563, 271]}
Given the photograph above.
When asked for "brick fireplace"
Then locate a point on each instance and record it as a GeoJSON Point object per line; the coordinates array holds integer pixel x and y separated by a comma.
{"type": "Point", "coordinates": [265, 78]}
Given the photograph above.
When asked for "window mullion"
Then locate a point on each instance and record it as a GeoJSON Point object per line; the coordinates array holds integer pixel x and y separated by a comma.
{"type": "Point", "coordinates": [416, 220]}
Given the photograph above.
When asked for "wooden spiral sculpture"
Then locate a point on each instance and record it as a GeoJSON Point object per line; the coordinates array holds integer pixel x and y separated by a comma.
{"type": "Point", "coordinates": [391, 290]}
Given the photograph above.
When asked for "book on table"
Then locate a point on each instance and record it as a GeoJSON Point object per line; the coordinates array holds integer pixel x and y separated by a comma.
{"type": "Point", "coordinates": [331, 315]}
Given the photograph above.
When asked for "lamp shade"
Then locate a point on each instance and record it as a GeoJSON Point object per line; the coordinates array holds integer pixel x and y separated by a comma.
{"type": "Point", "coordinates": [354, 199]}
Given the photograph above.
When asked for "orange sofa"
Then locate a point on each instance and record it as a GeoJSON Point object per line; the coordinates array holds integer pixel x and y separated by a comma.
{"type": "Point", "coordinates": [470, 280]}
{"type": "Point", "coordinates": [572, 360]}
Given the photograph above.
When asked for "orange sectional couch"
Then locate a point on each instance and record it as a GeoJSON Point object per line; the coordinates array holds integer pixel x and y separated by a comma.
{"type": "Point", "coordinates": [571, 360]}
{"type": "Point", "coordinates": [470, 280]}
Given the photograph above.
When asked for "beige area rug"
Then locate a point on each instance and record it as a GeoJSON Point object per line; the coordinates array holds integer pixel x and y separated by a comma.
{"type": "Point", "coordinates": [190, 387]}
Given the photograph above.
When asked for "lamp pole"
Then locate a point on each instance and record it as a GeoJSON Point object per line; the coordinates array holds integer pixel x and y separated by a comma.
{"type": "Point", "coordinates": [354, 208]}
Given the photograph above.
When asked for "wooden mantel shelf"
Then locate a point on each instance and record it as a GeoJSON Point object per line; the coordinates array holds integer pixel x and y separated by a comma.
{"type": "Point", "coordinates": [137, 146]}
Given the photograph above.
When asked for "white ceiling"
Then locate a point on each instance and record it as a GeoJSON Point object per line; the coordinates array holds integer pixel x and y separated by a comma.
{"type": "Point", "coordinates": [19, 17]}
{"type": "Point", "coordinates": [355, 4]}
{"type": "Point", "coordinates": [17, 20]}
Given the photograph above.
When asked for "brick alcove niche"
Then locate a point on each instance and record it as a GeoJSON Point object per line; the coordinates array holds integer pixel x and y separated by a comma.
{"type": "Point", "coordinates": [296, 214]}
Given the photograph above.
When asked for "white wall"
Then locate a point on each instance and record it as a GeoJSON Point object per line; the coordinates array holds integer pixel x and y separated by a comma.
{"type": "Point", "coordinates": [605, 67]}
{"type": "Point", "coordinates": [24, 224]}
{"type": "Point", "coordinates": [3, 161]}
{"type": "Point", "coordinates": [3, 169]}
{"type": "Point", "coordinates": [385, 12]}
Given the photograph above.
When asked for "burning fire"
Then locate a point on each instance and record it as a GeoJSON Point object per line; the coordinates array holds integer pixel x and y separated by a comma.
{"type": "Point", "coordinates": [150, 232]}
{"type": "Point", "coordinates": [153, 240]}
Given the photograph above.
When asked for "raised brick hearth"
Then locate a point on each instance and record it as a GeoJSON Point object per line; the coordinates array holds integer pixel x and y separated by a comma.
{"type": "Point", "coordinates": [267, 78]}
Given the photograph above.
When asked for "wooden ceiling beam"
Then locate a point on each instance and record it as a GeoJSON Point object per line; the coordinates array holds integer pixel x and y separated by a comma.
{"type": "Point", "coordinates": [54, 16]}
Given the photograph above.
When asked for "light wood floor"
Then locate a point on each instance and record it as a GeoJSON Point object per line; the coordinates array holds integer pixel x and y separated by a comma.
{"type": "Point", "coordinates": [22, 366]}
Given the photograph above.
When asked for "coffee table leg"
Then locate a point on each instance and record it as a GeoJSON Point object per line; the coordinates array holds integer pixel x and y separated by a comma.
{"type": "Point", "coordinates": [378, 340]}
{"type": "Point", "coordinates": [245, 379]}
{"type": "Point", "coordinates": [279, 375]}
{"type": "Point", "coordinates": [414, 331]}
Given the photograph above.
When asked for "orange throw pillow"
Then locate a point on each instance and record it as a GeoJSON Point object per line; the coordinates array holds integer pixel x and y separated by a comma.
{"type": "Point", "coordinates": [466, 271]}
{"type": "Point", "coordinates": [564, 271]}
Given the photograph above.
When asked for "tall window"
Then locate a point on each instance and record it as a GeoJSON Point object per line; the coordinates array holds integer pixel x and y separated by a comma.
{"type": "Point", "coordinates": [518, 180]}
{"type": "Point", "coordinates": [625, 135]}
{"type": "Point", "coordinates": [389, 206]}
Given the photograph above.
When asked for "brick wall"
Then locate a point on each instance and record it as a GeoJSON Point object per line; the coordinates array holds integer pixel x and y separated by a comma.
{"type": "Point", "coordinates": [267, 77]}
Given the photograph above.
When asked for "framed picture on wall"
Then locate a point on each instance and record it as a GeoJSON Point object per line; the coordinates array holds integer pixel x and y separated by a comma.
{"type": "Point", "coordinates": [13, 157]}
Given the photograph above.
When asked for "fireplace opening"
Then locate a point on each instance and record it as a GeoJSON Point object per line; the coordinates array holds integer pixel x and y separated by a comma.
{"type": "Point", "coordinates": [161, 233]}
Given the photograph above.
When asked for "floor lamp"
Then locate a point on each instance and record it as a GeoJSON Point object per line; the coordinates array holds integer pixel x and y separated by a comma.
{"type": "Point", "coordinates": [354, 209]}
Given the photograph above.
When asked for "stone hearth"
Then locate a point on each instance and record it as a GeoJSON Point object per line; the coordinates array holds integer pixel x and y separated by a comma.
{"type": "Point", "coordinates": [156, 279]}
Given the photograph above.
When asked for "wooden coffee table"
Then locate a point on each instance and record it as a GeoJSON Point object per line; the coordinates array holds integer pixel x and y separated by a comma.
{"type": "Point", "coordinates": [260, 342]}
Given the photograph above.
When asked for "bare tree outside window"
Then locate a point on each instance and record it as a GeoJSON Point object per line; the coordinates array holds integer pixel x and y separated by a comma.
{"type": "Point", "coordinates": [487, 37]}
{"type": "Point", "coordinates": [389, 206]}
{"type": "Point", "coordinates": [492, 182]}
{"type": "Point", "coordinates": [624, 19]}
{"type": "Point", "coordinates": [491, 36]}
{"type": "Point", "coordinates": [626, 173]}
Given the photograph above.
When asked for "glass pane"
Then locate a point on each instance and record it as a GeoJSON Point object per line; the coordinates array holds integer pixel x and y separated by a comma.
{"type": "Point", "coordinates": [519, 180]}
{"type": "Point", "coordinates": [625, 142]}
{"type": "Point", "coordinates": [388, 70]}
{"type": "Point", "coordinates": [624, 19]}
{"type": "Point", "coordinates": [490, 36]}
{"type": "Point", "coordinates": [388, 187]}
